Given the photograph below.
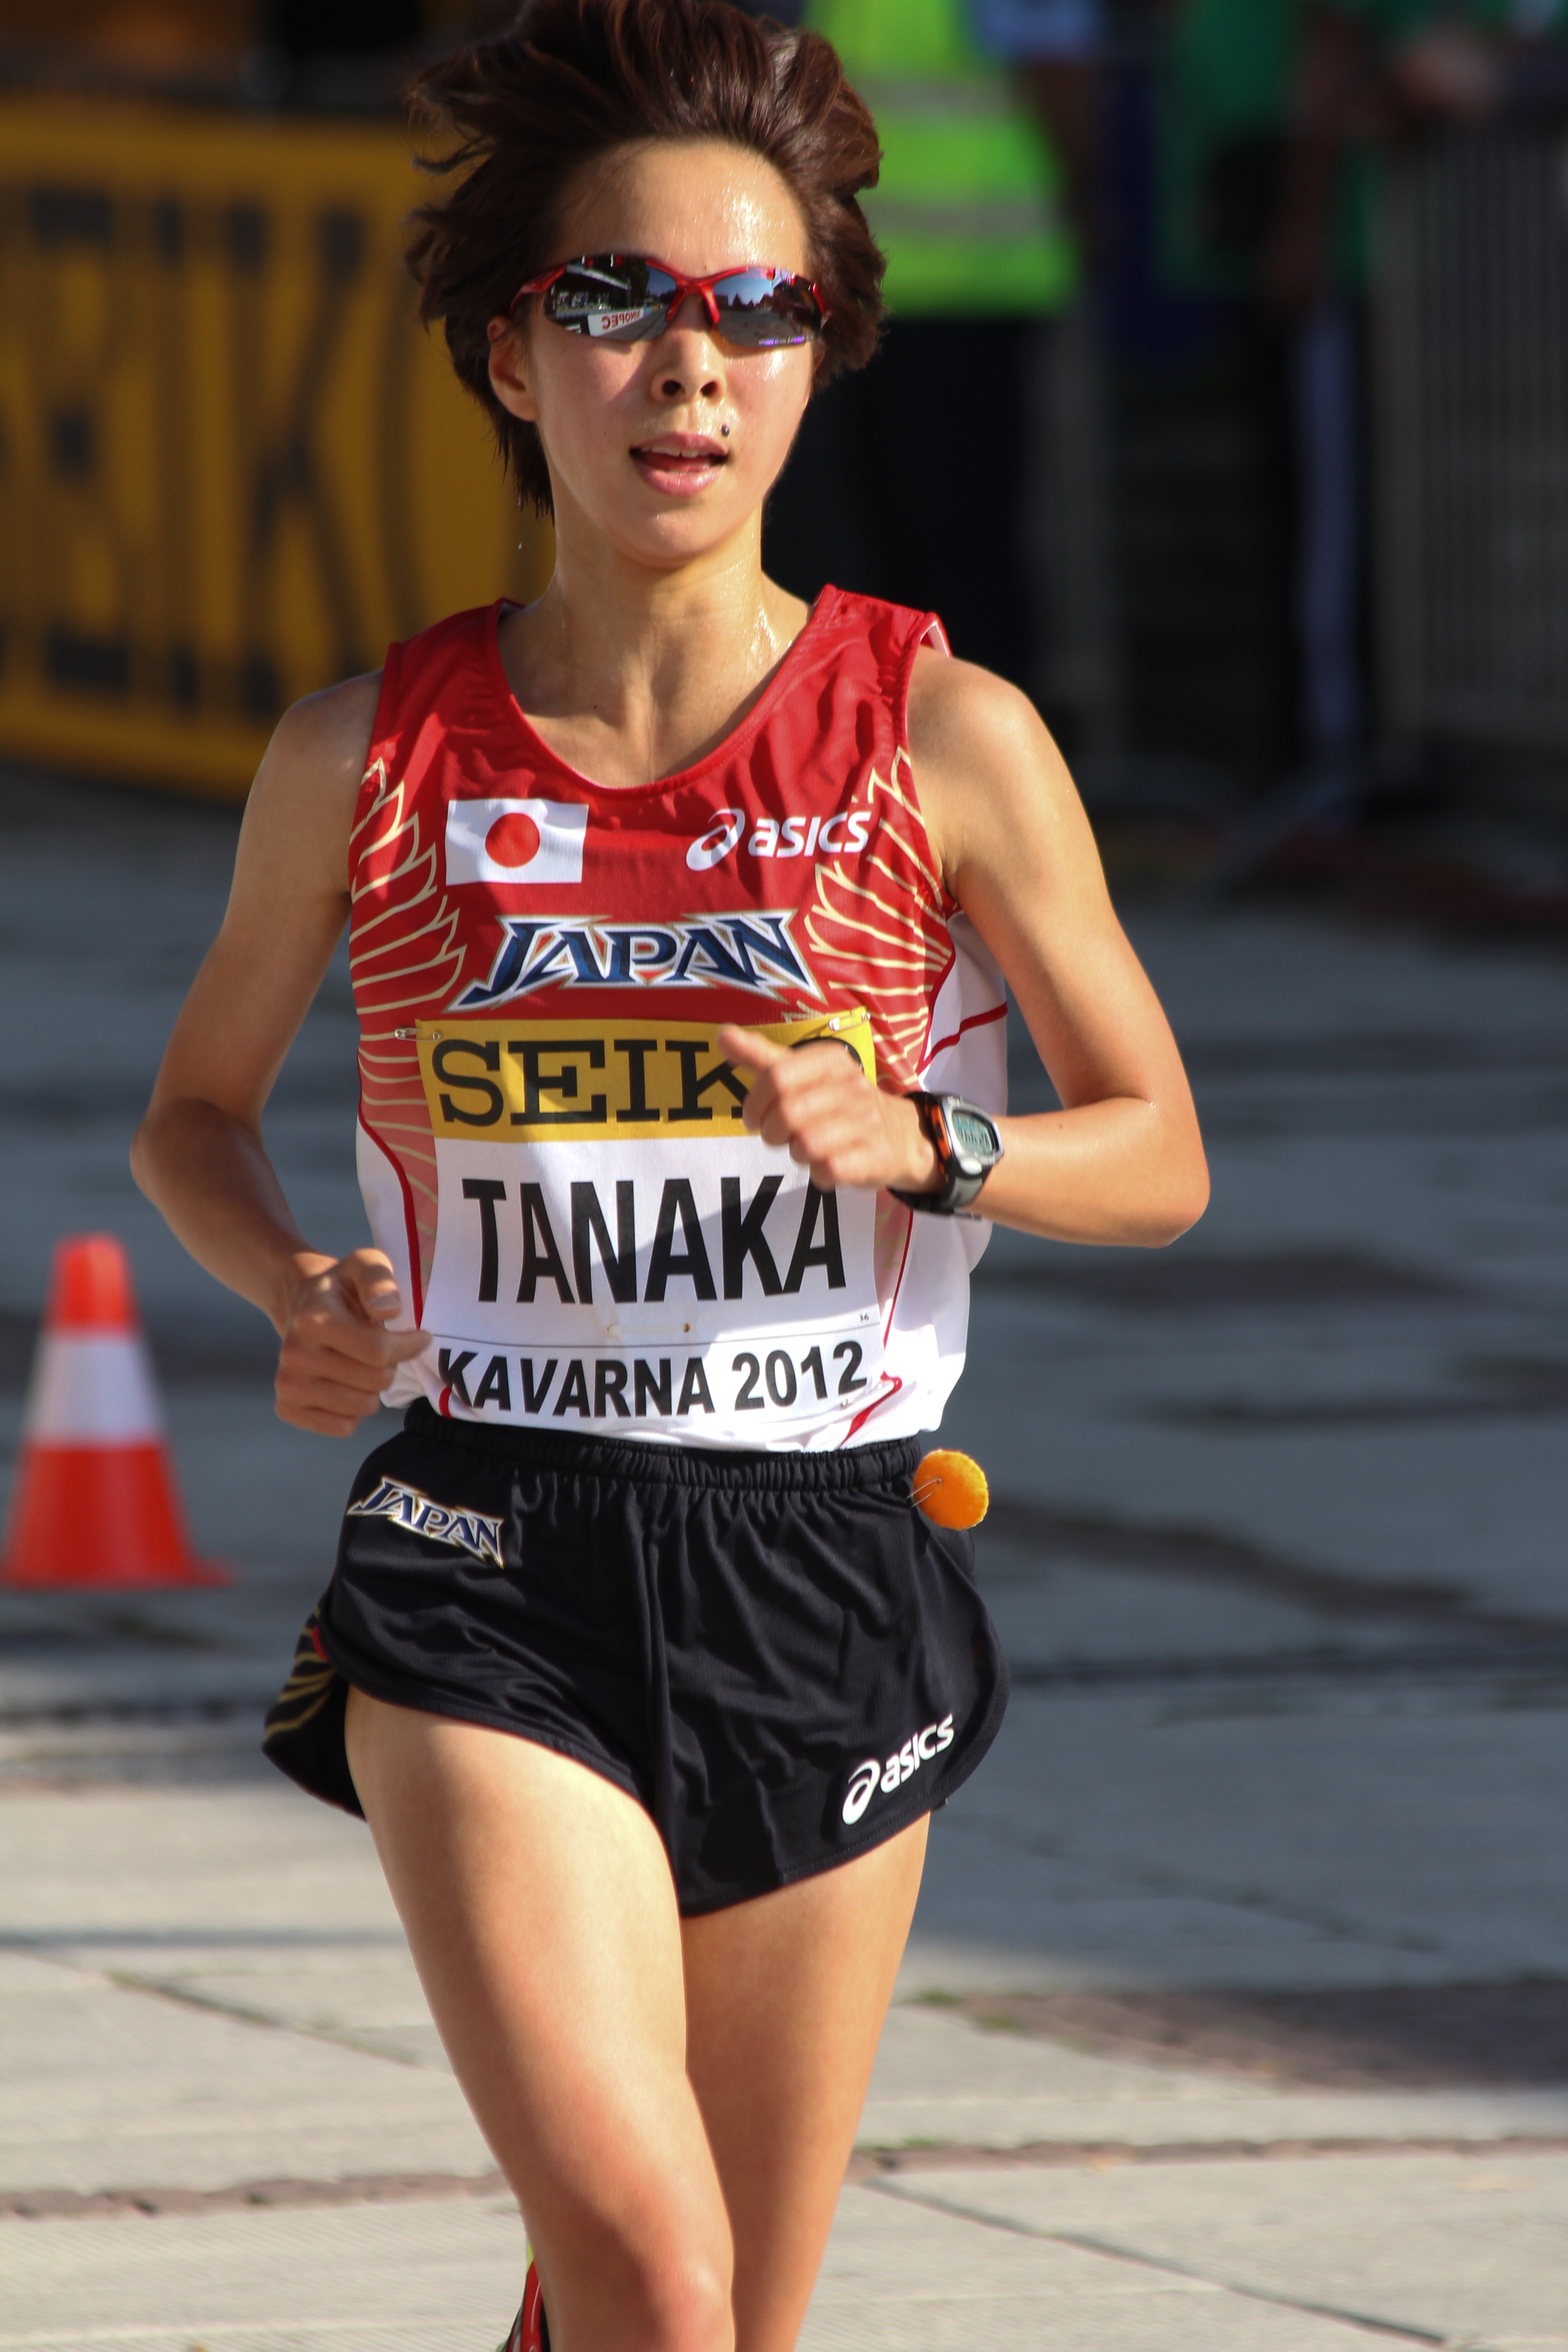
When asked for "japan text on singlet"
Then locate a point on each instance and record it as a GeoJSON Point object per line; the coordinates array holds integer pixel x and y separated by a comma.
{"type": "Point", "coordinates": [550, 1146]}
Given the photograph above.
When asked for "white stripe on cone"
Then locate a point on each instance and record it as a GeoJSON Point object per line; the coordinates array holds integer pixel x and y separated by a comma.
{"type": "Point", "coordinates": [92, 1389]}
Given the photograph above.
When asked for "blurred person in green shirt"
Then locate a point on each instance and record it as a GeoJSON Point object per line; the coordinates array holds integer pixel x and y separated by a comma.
{"type": "Point", "coordinates": [984, 111]}
{"type": "Point", "coordinates": [1256, 89]}
{"type": "Point", "coordinates": [1276, 116]}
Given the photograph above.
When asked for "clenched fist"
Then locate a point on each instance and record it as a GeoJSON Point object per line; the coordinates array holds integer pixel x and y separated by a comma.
{"type": "Point", "coordinates": [337, 1355]}
{"type": "Point", "coordinates": [817, 1100]}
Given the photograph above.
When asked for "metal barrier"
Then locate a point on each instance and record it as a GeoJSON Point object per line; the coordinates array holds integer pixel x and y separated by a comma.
{"type": "Point", "coordinates": [232, 465]}
{"type": "Point", "coordinates": [1471, 329]}
{"type": "Point", "coordinates": [1066, 488]}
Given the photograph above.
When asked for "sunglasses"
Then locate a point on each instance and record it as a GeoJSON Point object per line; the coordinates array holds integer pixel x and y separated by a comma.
{"type": "Point", "coordinates": [624, 298]}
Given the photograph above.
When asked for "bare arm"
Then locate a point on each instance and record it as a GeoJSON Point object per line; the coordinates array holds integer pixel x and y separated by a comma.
{"type": "Point", "coordinates": [1122, 1159]}
{"type": "Point", "coordinates": [198, 1153]}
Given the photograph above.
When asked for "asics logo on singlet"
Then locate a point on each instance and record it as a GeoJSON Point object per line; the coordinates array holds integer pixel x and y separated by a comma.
{"type": "Point", "coordinates": [468, 1531]}
{"type": "Point", "coordinates": [716, 844]}
{"type": "Point", "coordinates": [794, 836]}
{"type": "Point", "coordinates": [891, 1773]}
{"type": "Point", "coordinates": [752, 949]}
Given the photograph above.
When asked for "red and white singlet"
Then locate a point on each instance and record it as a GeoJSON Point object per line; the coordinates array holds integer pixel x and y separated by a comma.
{"type": "Point", "coordinates": [551, 1147]}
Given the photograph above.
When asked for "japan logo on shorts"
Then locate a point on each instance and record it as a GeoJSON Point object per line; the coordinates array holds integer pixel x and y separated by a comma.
{"type": "Point", "coordinates": [516, 842]}
{"type": "Point", "coordinates": [442, 1523]}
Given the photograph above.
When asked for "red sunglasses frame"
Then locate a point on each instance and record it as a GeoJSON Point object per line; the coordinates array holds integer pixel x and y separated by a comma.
{"type": "Point", "coordinates": [683, 284]}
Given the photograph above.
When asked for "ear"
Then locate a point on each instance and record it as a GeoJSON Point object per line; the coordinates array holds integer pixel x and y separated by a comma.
{"type": "Point", "coordinates": [510, 371]}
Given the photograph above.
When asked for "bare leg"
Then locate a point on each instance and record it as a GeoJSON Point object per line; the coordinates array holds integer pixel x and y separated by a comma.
{"type": "Point", "coordinates": [539, 1906]}
{"type": "Point", "coordinates": [785, 2002]}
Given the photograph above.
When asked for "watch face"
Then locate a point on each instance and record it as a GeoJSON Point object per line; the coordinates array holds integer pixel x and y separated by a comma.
{"type": "Point", "coordinates": [974, 1137]}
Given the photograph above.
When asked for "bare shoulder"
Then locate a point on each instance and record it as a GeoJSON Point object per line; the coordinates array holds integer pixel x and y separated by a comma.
{"type": "Point", "coordinates": [332, 728]}
{"type": "Point", "coordinates": [301, 805]}
{"type": "Point", "coordinates": [956, 706]}
{"type": "Point", "coordinates": [990, 778]}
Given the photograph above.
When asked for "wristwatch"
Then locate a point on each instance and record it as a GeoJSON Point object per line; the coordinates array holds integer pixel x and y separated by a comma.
{"type": "Point", "coordinates": [967, 1148]}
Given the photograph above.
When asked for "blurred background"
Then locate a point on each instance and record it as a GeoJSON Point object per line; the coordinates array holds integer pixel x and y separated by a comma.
{"type": "Point", "coordinates": [1224, 406]}
{"type": "Point", "coordinates": [1223, 403]}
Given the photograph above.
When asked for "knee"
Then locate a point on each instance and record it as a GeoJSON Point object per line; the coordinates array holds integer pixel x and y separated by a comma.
{"type": "Point", "coordinates": [685, 2301]}
{"type": "Point", "coordinates": [670, 2290]}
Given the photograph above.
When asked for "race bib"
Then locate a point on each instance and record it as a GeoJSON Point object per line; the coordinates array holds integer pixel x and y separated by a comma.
{"type": "Point", "coordinates": [614, 1247]}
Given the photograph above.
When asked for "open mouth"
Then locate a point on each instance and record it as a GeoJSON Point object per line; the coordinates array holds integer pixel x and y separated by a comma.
{"type": "Point", "coordinates": [679, 460]}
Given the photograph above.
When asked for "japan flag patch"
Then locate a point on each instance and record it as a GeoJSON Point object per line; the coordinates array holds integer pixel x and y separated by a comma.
{"type": "Point", "coordinates": [516, 842]}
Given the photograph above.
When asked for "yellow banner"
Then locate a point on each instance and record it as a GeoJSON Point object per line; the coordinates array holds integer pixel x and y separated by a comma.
{"type": "Point", "coordinates": [615, 1079]}
{"type": "Point", "coordinates": [233, 465]}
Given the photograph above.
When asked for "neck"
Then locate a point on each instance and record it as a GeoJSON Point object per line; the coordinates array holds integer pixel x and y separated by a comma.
{"type": "Point", "coordinates": [631, 672]}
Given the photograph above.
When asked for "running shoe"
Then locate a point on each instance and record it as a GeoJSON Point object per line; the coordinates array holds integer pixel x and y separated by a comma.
{"type": "Point", "coordinates": [530, 2330]}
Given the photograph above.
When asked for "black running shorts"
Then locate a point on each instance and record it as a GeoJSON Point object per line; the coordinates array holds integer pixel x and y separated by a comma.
{"type": "Point", "coordinates": [774, 1654]}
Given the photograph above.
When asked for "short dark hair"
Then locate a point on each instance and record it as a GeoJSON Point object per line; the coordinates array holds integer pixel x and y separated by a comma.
{"type": "Point", "coordinates": [521, 114]}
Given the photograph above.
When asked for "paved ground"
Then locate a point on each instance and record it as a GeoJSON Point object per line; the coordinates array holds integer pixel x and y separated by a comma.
{"type": "Point", "coordinates": [1237, 2012]}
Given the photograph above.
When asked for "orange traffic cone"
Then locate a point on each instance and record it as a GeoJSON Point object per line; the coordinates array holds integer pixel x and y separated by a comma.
{"type": "Point", "coordinates": [95, 1501]}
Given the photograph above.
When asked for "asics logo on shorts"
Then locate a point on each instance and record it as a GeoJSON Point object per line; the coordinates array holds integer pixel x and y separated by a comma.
{"type": "Point", "coordinates": [891, 1774]}
{"type": "Point", "coordinates": [468, 1531]}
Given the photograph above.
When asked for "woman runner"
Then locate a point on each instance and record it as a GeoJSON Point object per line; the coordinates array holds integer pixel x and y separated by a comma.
{"type": "Point", "coordinates": [679, 915]}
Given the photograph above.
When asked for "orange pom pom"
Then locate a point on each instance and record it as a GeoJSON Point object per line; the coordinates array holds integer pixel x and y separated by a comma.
{"type": "Point", "coordinates": [951, 1489]}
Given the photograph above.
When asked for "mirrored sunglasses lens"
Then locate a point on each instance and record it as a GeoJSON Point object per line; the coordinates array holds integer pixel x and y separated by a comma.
{"type": "Point", "coordinates": [766, 312]}
{"type": "Point", "coordinates": [620, 302]}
